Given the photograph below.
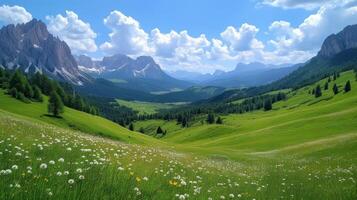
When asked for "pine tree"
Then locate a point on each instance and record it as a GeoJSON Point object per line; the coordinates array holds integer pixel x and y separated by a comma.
{"type": "Point", "coordinates": [348, 86]}
{"type": "Point", "coordinates": [219, 121]}
{"type": "Point", "coordinates": [184, 122]}
{"type": "Point", "coordinates": [55, 104]}
{"type": "Point", "coordinates": [329, 79]}
{"type": "Point", "coordinates": [37, 94]}
{"type": "Point", "coordinates": [334, 76]}
{"type": "Point", "coordinates": [159, 130]}
{"type": "Point", "coordinates": [326, 86]}
{"type": "Point", "coordinates": [318, 92]}
{"type": "Point", "coordinates": [28, 91]}
{"type": "Point", "coordinates": [131, 127]}
{"type": "Point", "coordinates": [18, 81]}
{"type": "Point", "coordinates": [335, 89]}
{"type": "Point", "coordinates": [210, 118]}
{"type": "Point", "coordinates": [13, 92]}
{"type": "Point", "coordinates": [142, 130]}
{"type": "Point", "coordinates": [268, 105]}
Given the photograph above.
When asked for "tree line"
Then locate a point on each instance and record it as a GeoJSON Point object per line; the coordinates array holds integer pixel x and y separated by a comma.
{"type": "Point", "coordinates": [31, 88]}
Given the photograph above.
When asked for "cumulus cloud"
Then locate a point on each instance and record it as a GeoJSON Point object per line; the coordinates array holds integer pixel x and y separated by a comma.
{"type": "Point", "coordinates": [309, 35]}
{"type": "Point", "coordinates": [304, 4]}
{"type": "Point", "coordinates": [14, 15]}
{"type": "Point", "coordinates": [242, 39]}
{"type": "Point", "coordinates": [126, 37]}
{"type": "Point", "coordinates": [77, 34]}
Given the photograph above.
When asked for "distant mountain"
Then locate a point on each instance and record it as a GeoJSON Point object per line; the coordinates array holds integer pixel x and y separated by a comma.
{"type": "Point", "coordinates": [142, 73]}
{"type": "Point", "coordinates": [338, 53]}
{"type": "Point", "coordinates": [248, 75]}
{"type": "Point", "coordinates": [31, 48]}
{"type": "Point", "coordinates": [193, 77]}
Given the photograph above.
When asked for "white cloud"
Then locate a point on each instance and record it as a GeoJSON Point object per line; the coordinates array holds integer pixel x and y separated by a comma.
{"type": "Point", "coordinates": [77, 34]}
{"type": "Point", "coordinates": [305, 4]}
{"type": "Point", "coordinates": [242, 39]}
{"type": "Point", "coordinates": [14, 15]}
{"type": "Point", "coordinates": [310, 34]}
{"type": "Point", "coordinates": [126, 37]}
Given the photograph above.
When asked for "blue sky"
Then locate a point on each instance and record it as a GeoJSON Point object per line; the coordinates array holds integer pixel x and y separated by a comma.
{"type": "Point", "coordinates": [269, 31]}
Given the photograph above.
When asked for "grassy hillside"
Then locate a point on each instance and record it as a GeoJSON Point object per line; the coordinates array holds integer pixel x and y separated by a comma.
{"type": "Point", "coordinates": [305, 148]}
{"type": "Point", "coordinates": [300, 124]}
{"type": "Point", "coordinates": [42, 161]}
{"type": "Point", "coordinates": [72, 119]}
{"type": "Point", "coordinates": [144, 107]}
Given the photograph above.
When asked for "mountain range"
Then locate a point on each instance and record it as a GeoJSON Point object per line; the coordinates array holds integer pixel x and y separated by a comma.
{"type": "Point", "coordinates": [31, 48]}
{"type": "Point", "coordinates": [142, 73]}
{"type": "Point", "coordinates": [244, 75]}
{"type": "Point", "coordinates": [337, 53]}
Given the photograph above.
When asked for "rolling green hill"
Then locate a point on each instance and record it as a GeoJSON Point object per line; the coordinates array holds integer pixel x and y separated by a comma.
{"type": "Point", "coordinates": [73, 119]}
{"type": "Point", "coordinates": [305, 148]}
{"type": "Point", "coordinates": [145, 107]}
{"type": "Point", "coordinates": [301, 125]}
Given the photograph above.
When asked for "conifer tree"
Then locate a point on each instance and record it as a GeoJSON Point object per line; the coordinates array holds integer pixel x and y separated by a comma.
{"type": "Point", "coordinates": [219, 121]}
{"type": "Point", "coordinates": [326, 86]}
{"type": "Point", "coordinates": [348, 86]}
{"type": "Point", "coordinates": [268, 105]}
{"type": "Point", "coordinates": [335, 89]}
{"type": "Point", "coordinates": [142, 130]}
{"type": "Point", "coordinates": [318, 92]}
{"type": "Point", "coordinates": [55, 104]}
{"type": "Point", "coordinates": [131, 127]}
{"type": "Point", "coordinates": [37, 94]}
{"type": "Point", "coordinates": [159, 130]}
{"type": "Point", "coordinates": [210, 118]}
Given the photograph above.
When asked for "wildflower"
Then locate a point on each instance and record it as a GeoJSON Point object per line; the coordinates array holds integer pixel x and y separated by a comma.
{"type": "Point", "coordinates": [66, 172]}
{"type": "Point", "coordinates": [138, 179]}
{"type": "Point", "coordinates": [79, 170]}
{"type": "Point", "coordinates": [50, 193]}
{"type": "Point", "coordinates": [61, 160]}
{"type": "Point", "coordinates": [231, 195]}
{"type": "Point", "coordinates": [43, 166]}
{"type": "Point", "coordinates": [81, 177]}
{"type": "Point", "coordinates": [51, 162]}
{"type": "Point", "coordinates": [14, 167]}
{"type": "Point", "coordinates": [70, 181]}
{"type": "Point", "coordinates": [145, 178]}
{"type": "Point", "coordinates": [182, 197]}
{"type": "Point", "coordinates": [59, 173]}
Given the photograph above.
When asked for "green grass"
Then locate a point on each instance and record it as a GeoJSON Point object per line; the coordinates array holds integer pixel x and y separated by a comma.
{"type": "Point", "coordinates": [145, 107]}
{"type": "Point", "coordinates": [295, 122]}
{"type": "Point", "coordinates": [72, 119]}
{"type": "Point", "coordinates": [305, 148]}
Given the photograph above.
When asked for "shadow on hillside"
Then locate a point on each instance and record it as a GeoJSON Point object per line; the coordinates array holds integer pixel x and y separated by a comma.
{"type": "Point", "coordinates": [52, 116]}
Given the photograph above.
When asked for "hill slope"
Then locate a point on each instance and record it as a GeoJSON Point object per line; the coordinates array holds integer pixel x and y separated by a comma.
{"type": "Point", "coordinates": [72, 119]}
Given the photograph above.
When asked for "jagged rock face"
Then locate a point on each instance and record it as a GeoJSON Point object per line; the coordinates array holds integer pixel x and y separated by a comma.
{"type": "Point", "coordinates": [31, 48]}
{"type": "Point", "coordinates": [124, 67]}
{"type": "Point", "coordinates": [335, 43]}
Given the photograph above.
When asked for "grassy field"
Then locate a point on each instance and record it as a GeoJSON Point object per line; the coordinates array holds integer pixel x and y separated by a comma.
{"type": "Point", "coordinates": [305, 148]}
{"type": "Point", "coordinates": [73, 119]}
{"type": "Point", "coordinates": [145, 107]}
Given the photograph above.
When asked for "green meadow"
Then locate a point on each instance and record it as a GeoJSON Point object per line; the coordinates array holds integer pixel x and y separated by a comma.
{"type": "Point", "coordinates": [305, 148]}
{"type": "Point", "coordinates": [145, 107]}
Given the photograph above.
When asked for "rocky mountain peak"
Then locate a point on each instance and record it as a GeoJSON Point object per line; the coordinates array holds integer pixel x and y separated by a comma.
{"type": "Point", "coordinates": [335, 43]}
{"type": "Point", "coordinates": [31, 48]}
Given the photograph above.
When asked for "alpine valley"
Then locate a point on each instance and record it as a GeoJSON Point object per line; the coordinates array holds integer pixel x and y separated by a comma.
{"type": "Point", "coordinates": [105, 124]}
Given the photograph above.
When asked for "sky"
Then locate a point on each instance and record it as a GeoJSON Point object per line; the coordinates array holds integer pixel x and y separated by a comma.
{"type": "Point", "coordinates": [191, 35]}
